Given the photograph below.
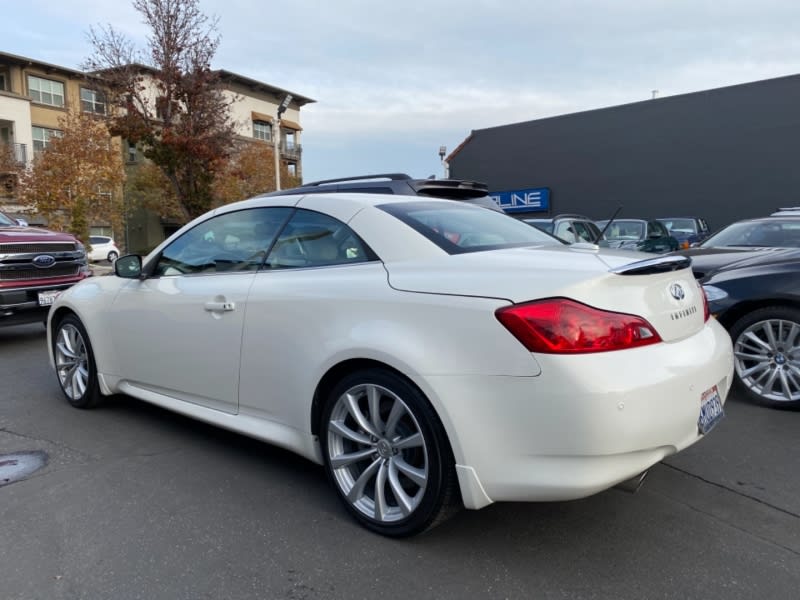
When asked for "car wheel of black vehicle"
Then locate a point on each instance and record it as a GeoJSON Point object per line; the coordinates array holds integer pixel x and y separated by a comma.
{"type": "Point", "coordinates": [387, 455]}
{"type": "Point", "coordinates": [75, 366]}
{"type": "Point", "coordinates": [766, 348]}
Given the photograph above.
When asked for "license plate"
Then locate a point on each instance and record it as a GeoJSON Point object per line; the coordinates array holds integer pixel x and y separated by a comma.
{"type": "Point", "coordinates": [711, 411]}
{"type": "Point", "coordinates": [48, 297]}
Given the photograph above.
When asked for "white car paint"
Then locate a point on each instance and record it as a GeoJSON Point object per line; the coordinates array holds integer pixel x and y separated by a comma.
{"type": "Point", "coordinates": [102, 248]}
{"type": "Point", "coordinates": [522, 425]}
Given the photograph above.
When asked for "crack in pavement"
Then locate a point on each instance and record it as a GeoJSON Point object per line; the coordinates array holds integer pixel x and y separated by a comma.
{"type": "Point", "coordinates": [733, 491]}
{"type": "Point", "coordinates": [86, 456]}
{"type": "Point", "coordinates": [730, 523]}
{"type": "Point", "coordinates": [60, 445]}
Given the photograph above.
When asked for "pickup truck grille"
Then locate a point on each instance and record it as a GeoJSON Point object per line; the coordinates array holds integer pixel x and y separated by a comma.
{"type": "Point", "coordinates": [25, 274]}
{"type": "Point", "coordinates": [34, 247]}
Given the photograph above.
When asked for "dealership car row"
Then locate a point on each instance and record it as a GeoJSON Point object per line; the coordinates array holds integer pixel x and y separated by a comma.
{"type": "Point", "coordinates": [417, 346]}
{"type": "Point", "coordinates": [750, 271]}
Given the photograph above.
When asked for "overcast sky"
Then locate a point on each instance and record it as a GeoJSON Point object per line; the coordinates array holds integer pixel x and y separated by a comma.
{"type": "Point", "coordinates": [396, 80]}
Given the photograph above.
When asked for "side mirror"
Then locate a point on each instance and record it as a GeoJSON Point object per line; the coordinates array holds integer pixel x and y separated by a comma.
{"type": "Point", "coordinates": [128, 267]}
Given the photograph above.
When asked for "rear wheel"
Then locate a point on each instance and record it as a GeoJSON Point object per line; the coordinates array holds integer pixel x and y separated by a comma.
{"type": "Point", "coordinates": [112, 256]}
{"type": "Point", "coordinates": [387, 455]}
{"type": "Point", "coordinates": [75, 366]}
{"type": "Point", "coordinates": [766, 347]}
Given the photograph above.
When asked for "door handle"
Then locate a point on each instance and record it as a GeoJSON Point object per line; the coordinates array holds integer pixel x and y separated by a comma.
{"type": "Point", "coordinates": [219, 306]}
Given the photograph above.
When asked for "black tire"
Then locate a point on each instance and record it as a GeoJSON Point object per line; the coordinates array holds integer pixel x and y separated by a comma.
{"type": "Point", "coordinates": [75, 365]}
{"type": "Point", "coordinates": [766, 346]}
{"type": "Point", "coordinates": [112, 256]}
{"type": "Point", "coordinates": [404, 480]}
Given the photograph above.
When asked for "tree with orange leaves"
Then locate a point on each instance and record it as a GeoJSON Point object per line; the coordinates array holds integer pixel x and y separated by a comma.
{"type": "Point", "coordinates": [77, 178]}
{"type": "Point", "coordinates": [249, 171]}
{"type": "Point", "coordinates": [11, 168]}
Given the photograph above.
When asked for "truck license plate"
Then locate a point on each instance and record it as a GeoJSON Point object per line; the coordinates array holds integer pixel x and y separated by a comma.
{"type": "Point", "coordinates": [48, 297]}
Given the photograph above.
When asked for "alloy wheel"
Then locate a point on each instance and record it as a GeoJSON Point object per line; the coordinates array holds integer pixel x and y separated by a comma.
{"type": "Point", "coordinates": [72, 361]}
{"type": "Point", "coordinates": [377, 452]}
{"type": "Point", "coordinates": [767, 355]}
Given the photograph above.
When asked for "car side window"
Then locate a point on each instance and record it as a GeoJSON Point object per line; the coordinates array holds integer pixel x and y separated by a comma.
{"type": "Point", "coordinates": [565, 231]}
{"type": "Point", "coordinates": [583, 232]}
{"type": "Point", "coordinates": [231, 242]}
{"type": "Point", "coordinates": [311, 239]}
{"type": "Point", "coordinates": [656, 230]}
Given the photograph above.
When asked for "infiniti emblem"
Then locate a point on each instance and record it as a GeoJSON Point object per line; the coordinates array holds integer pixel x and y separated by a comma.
{"type": "Point", "coordinates": [44, 260]}
{"type": "Point", "coordinates": [677, 291]}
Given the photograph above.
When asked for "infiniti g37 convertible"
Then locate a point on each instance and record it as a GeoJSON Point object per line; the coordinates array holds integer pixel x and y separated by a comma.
{"type": "Point", "coordinates": [428, 353]}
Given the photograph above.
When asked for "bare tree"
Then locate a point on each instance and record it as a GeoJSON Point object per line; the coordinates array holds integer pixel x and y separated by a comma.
{"type": "Point", "coordinates": [167, 99]}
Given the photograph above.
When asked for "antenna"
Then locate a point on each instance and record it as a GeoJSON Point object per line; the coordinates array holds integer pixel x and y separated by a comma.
{"type": "Point", "coordinates": [614, 216]}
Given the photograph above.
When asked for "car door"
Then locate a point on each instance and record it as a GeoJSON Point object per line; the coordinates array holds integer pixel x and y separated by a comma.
{"type": "Point", "coordinates": [293, 313]}
{"type": "Point", "coordinates": [179, 331]}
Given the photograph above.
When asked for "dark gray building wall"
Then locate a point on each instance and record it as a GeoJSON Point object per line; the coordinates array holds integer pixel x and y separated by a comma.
{"type": "Point", "coordinates": [725, 154]}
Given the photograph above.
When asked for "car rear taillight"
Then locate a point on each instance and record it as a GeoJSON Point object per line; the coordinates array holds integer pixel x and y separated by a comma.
{"type": "Point", "coordinates": [563, 326]}
{"type": "Point", "coordinates": [706, 310]}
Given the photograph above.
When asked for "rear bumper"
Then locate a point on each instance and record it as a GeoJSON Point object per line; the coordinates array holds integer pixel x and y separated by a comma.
{"type": "Point", "coordinates": [585, 424]}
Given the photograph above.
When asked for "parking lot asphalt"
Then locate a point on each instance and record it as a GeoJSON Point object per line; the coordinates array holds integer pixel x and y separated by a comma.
{"type": "Point", "coordinates": [136, 502]}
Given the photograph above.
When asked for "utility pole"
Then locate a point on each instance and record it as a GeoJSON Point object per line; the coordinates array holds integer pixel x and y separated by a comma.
{"type": "Point", "coordinates": [276, 134]}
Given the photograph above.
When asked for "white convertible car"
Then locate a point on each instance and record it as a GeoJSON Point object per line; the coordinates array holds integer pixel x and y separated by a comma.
{"type": "Point", "coordinates": [427, 352]}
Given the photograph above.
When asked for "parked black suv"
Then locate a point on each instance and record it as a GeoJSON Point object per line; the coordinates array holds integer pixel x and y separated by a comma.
{"type": "Point", "coordinates": [471, 192]}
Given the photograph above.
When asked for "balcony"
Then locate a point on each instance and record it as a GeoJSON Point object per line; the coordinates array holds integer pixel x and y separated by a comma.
{"type": "Point", "coordinates": [290, 150]}
{"type": "Point", "coordinates": [18, 151]}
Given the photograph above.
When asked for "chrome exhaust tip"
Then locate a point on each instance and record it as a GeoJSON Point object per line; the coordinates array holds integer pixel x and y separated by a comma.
{"type": "Point", "coordinates": [633, 484]}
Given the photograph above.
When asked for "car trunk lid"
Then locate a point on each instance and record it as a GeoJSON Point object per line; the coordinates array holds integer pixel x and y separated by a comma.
{"type": "Point", "coordinates": [661, 290]}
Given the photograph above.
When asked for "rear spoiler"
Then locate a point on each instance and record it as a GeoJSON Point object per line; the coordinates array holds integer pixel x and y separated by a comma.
{"type": "Point", "coordinates": [649, 266]}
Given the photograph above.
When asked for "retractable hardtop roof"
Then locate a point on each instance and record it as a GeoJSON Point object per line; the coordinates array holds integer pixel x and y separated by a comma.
{"type": "Point", "coordinates": [437, 188]}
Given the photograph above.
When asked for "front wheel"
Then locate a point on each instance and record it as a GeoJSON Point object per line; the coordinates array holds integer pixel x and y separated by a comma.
{"type": "Point", "coordinates": [766, 348]}
{"type": "Point", "coordinates": [75, 366]}
{"type": "Point", "coordinates": [387, 455]}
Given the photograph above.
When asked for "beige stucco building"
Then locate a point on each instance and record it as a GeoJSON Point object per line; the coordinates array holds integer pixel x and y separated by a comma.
{"type": "Point", "coordinates": [35, 95]}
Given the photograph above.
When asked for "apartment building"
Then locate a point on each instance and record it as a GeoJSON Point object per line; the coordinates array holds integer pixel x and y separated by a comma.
{"type": "Point", "coordinates": [34, 95]}
{"type": "Point", "coordinates": [254, 111]}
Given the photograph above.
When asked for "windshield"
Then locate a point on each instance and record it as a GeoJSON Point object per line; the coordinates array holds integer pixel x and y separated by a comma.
{"type": "Point", "coordinates": [6, 221]}
{"type": "Point", "coordinates": [774, 234]}
{"type": "Point", "coordinates": [459, 228]}
{"type": "Point", "coordinates": [623, 230]}
{"type": "Point", "coordinates": [680, 225]}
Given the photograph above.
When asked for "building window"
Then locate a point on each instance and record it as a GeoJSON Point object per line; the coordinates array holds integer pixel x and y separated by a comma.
{"type": "Point", "coordinates": [292, 169]}
{"type": "Point", "coordinates": [132, 152]}
{"type": "Point", "coordinates": [3, 82]}
{"type": "Point", "coordinates": [93, 101]}
{"type": "Point", "coordinates": [42, 137]}
{"type": "Point", "coordinates": [262, 130]}
{"type": "Point", "coordinates": [46, 91]}
{"type": "Point", "coordinates": [289, 144]}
